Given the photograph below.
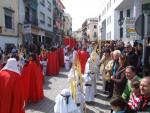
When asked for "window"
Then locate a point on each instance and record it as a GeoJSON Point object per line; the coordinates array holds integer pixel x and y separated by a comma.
{"type": "Point", "coordinates": [109, 5]}
{"type": "Point", "coordinates": [42, 18]}
{"type": "Point", "coordinates": [121, 14]}
{"type": "Point", "coordinates": [49, 6]}
{"type": "Point", "coordinates": [42, 2]}
{"type": "Point", "coordinates": [9, 47]}
{"type": "Point", "coordinates": [8, 18]}
{"type": "Point", "coordinates": [128, 13]}
{"type": "Point", "coordinates": [99, 18]}
{"type": "Point", "coordinates": [109, 20]}
{"type": "Point", "coordinates": [109, 36]}
{"type": "Point", "coordinates": [95, 26]}
{"type": "Point", "coordinates": [121, 33]}
{"type": "Point", "coordinates": [49, 21]}
{"type": "Point", "coordinates": [27, 14]}
{"type": "Point", "coordinates": [95, 35]}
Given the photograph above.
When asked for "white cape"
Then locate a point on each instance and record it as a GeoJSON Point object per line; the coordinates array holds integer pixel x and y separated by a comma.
{"type": "Point", "coordinates": [62, 107]}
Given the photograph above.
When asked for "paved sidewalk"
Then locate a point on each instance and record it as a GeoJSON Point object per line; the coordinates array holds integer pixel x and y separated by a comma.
{"type": "Point", "coordinates": [100, 104]}
{"type": "Point", "coordinates": [53, 85]}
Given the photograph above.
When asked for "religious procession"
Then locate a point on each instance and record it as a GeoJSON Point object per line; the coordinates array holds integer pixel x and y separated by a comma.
{"type": "Point", "coordinates": [116, 64]}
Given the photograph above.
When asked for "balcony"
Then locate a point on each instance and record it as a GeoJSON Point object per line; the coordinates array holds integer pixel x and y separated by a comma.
{"type": "Point", "coordinates": [54, 2]}
{"type": "Point", "coordinates": [31, 4]}
{"type": "Point", "coordinates": [32, 22]}
{"type": "Point", "coordinates": [42, 22]}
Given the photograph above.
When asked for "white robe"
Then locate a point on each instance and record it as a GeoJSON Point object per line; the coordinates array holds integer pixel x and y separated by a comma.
{"type": "Point", "coordinates": [89, 78]}
{"type": "Point", "coordinates": [44, 66]}
{"type": "Point", "coordinates": [67, 62]}
{"type": "Point", "coordinates": [62, 107]}
{"type": "Point", "coordinates": [97, 67]}
{"type": "Point", "coordinates": [88, 90]}
{"type": "Point", "coordinates": [73, 76]}
{"type": "Point", "coordinates": [80, 99]}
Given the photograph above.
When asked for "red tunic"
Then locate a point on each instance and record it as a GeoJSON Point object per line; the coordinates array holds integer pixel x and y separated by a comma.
{"type": "Point", "coordinates": [61, 56]}
{"type": "Point", "coordinates": [26, 81]}
{"type": "Point", "coordinates": [83, 57]}
{"type": "Point", "coordinates": [11, 95]}
{"type": "Point", "coordinates": [35, 82]}
{"type": "Point", "coordinates": [53, 63]}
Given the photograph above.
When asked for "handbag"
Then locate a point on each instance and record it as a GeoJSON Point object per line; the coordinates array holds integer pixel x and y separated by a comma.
{"type": "Point", "coordinates": [107, 76]}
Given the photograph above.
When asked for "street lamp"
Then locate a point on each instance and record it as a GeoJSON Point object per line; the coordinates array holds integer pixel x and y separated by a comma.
{"type": "Point", "coordinates": [121, 21]}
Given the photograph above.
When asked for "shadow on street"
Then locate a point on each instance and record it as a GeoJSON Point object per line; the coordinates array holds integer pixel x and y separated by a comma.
{"type": "Point", "coordinates": [42, 106]}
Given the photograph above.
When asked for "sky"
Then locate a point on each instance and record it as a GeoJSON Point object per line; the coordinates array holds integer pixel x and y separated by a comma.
{"type": "Point", "coordinates": [80, 10]}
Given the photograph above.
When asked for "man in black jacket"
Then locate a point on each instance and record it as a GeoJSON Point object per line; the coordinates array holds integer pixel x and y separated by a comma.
{"type": "Point", "coordinates": [132, 58]}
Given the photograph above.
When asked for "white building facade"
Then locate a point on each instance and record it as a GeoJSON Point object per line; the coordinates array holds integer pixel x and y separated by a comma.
{"type": "Point", "coordinates": [8, 24]}
{"type": "Point", "coordinates": [117, 19]}
{"type": "Point", "coordinates": [35, 21]}
{"type": "Point", "coordinates": [45, 18]}
{"type": "Point", "coordinates": [67, 24]}
{"type": "Point", "coordinates": [77, 34]}
{"type": "Point", "coordinates": [90, 29]}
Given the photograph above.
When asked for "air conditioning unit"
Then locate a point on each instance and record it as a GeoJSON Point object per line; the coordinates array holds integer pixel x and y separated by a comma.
{"type": "Point", "coordinates": [0, 29]}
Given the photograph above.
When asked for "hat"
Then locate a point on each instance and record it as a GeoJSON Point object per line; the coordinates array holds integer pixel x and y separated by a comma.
{"type": "Point", "coordinates": [65, 92]}
{"type": "Point", "coordinates": [11, 65]}
{"type": "Point", "coordinates": [61, 106]}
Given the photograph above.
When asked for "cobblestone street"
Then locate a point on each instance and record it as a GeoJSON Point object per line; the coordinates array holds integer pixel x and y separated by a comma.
{"type": "Point", "coordinates": [53, 85]}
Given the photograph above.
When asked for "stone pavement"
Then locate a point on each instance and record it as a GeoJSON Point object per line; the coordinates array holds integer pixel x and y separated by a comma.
{"type": "Point", "coordinates": [53, 85]}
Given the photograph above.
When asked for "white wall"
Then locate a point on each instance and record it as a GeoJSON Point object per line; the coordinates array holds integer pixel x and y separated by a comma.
{"type": "Point", "coordinates": [110, 12]}
{"type": "Point", "coordinates": [113, 11]}
{"type": "Point", "coordinates": [110, 27]}
{"type": "Point", "coordinates": [116, 33]}
{"type": "Point", "coordinates": [132, 15]}
{"type": "Point", "coordinates": [47, 13]}
{"type": "Point", "coordinates": [21, 11]}
{"type": "Point", "coordinates": [7, 39]}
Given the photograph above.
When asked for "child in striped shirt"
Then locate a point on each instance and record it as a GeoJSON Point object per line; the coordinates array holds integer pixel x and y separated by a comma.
{"type": "Point", "coordinates": [135, 96]}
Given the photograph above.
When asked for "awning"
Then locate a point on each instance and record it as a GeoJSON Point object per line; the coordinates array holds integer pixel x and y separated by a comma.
{"type": "Point", "coordinates": [49, 34]}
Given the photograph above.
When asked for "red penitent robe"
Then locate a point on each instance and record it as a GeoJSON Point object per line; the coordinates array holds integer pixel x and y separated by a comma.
{"type": "Point", "coordinates": [83, 57]}
{"type": "Point", "coordinates": [53, 63]}
{"type": "Point", "coordinates": [61, 56]}
{"type": "Point", "coordinates": [26, 81]}
{"type": "Point", "coordinates": [50, 63]}
{"type": "Point", "coordinates": [36, 82]}
{"type": "Point", "coordinates": [11, 92]}
{"type": "Point", "coordinates": [57, 62]}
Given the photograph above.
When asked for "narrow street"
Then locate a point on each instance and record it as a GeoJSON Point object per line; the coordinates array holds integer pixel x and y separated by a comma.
{"type": "Point", "coordinates": [53, 86]}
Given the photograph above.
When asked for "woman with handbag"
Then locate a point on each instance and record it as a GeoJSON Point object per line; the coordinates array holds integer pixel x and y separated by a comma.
{"type": "Point", "coordinates": [114, 67]}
